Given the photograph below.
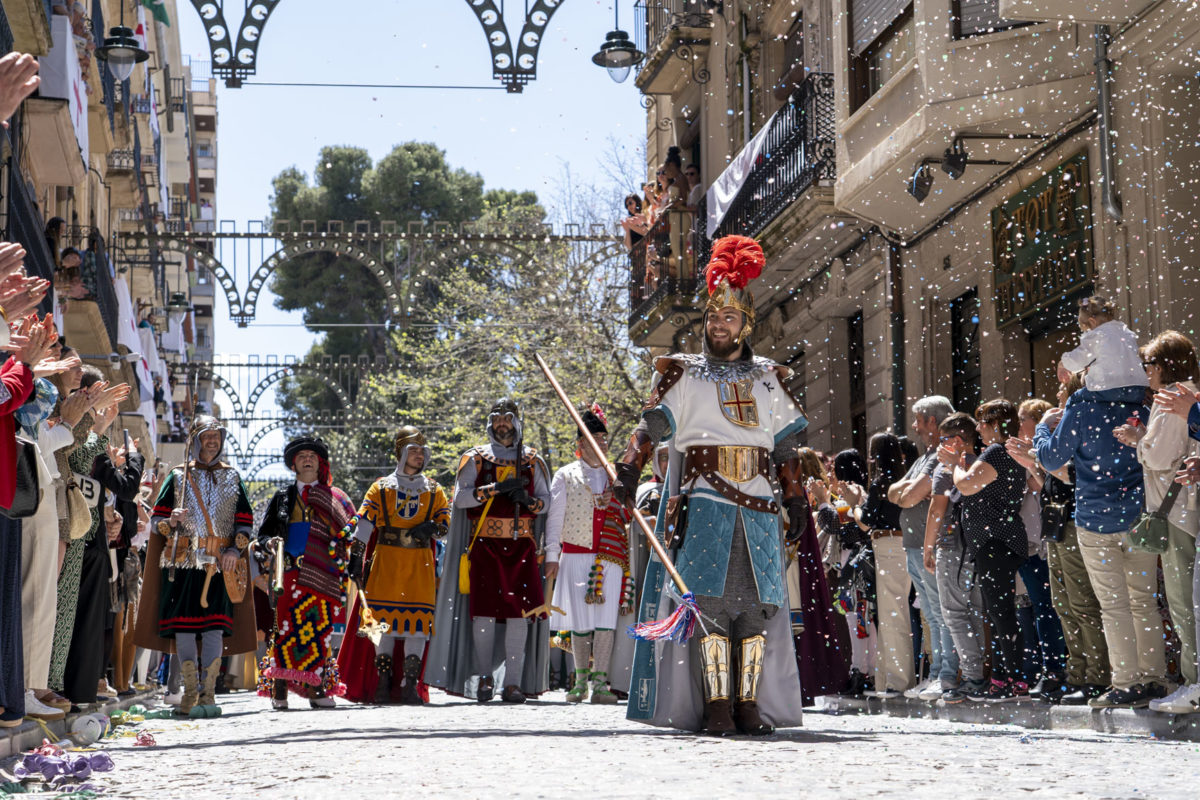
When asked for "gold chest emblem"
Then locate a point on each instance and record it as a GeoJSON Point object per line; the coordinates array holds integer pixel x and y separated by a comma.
{"type": "Point", "coordinates": [737, 402]}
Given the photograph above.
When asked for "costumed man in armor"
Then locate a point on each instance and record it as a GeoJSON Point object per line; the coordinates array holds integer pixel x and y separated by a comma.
{"type": "Point", "coordinates": [731, 424]}
{"type": "Point", "coordinates": [201, 523]}
{"type": "Point", "coordinates": [491, 585]}
{"type": "Point", "coordinates": [394, 561]}
{"type": "Point", "coordinates": [587, 552]}
{"type": "Point", "coordinates": [310, 519]}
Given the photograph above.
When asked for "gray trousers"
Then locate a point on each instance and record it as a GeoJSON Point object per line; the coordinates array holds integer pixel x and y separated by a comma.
{"type": "Point", "coordinates": [962, 609]}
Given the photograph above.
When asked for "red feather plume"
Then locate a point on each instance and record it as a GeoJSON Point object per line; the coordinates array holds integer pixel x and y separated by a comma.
{"type": "Point", "coordinates": [737, 259]}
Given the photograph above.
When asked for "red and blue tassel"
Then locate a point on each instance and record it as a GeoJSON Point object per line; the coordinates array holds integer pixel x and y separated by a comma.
{"type": "Point", "coordinates": [678, 627]}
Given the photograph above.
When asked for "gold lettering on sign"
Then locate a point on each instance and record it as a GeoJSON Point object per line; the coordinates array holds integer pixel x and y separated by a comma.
{"type": "Point", "coordinates": [1041, 242]}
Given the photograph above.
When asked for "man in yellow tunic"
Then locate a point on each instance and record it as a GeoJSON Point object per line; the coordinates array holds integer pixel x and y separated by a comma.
{"type": "Point", "coordinates": [394, 560]}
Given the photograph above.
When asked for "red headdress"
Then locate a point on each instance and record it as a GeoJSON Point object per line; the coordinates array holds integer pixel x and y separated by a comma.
{"type": "Point", "coordinates": [735, 261]}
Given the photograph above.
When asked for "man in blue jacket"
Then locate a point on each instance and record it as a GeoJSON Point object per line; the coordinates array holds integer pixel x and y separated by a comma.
{"type": "Point", "coordinates": [1108, 500]}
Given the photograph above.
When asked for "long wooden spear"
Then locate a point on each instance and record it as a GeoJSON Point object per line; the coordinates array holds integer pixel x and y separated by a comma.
{"type": "Point", "coordinates": [680, 625]}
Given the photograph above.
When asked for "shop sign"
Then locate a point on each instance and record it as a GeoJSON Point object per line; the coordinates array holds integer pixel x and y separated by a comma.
{"type": "Point", "coordinates": [1042, 242]}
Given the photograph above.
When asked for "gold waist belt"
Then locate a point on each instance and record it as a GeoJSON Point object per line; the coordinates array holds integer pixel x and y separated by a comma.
{"type": "Point", "coordinates": [739, 463]}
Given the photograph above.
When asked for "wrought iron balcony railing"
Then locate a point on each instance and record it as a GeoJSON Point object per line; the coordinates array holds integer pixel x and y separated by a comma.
{"type": "Point", "coordinates": [654, 19]}
{"type": "Point", "coordinates": [798, 152]}
{"type": "Point", "coordinates": [120, 161]}
{"type": "Point", "coordinates": [661, 264]}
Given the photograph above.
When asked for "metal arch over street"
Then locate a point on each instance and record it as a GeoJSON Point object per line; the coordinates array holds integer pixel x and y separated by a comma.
{"type": "Point", "coordinates": [380, 247]}
{"type": "Point", "coordinates": [236, 62]}
{"type": "Point", "coordinates": [205, 370]}
{"type": "Point", "coordinates": [291, 370]}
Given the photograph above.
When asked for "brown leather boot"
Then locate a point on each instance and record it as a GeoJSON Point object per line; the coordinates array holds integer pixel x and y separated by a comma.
{"type": "Point", "coordinates": [191, 688]}
{"type": "Point", "coordinates": [745, 712]}
{"type": "Point", "coordinates": [714, 656]}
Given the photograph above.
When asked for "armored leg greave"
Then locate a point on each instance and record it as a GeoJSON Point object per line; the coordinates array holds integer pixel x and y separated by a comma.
{"type": "Point", "coordinates": [750, 660]}
{"type": "Point", "coordinates": [714, 657]}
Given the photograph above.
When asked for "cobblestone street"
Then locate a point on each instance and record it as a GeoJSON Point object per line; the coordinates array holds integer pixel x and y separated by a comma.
{"type": "Point", "coordinates": [455, 748]}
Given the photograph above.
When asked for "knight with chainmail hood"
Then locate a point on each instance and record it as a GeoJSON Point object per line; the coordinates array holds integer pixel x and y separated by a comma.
{"type": "Point", "coordinates": [731, 424]}
{"type": "Point", "coordinates": [394, 561]}
{"type": "Point", "coordinates": [202, 523]}
{"type": "Point", "coordinates": [311, 518]}
{"type": "Point", "coordinates": [491, 589]}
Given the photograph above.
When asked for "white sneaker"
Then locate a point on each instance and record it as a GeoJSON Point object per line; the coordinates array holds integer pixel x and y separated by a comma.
{"type": "Point", "coordinates": [173, 699]}
{"type": "Point", "coordinates": [934, 691]}
{"type": "Point", "coordinates": [915, 692]}
{"type": "Point", "coordinates": [885, 694]}
{"type": "Point", "coordinates": [1184, 700]}
{"type": "Point", "coordinates": [38, 710]}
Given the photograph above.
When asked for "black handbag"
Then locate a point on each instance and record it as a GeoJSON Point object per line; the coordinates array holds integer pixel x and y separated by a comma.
{"type": "Point", "coordinates": [28, 493]}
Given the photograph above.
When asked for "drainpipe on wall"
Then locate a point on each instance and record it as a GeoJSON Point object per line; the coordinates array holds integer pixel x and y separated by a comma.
{"type": "Point", "coordinates": [1112, 205]}
{"type": "Point", "coordinates": [896, 313]}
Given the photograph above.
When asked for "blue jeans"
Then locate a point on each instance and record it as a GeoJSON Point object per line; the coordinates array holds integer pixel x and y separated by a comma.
{"type": "Point", "coordinates": [945, 657]}
{"type": "Point", "coordinates": [1036, 576]}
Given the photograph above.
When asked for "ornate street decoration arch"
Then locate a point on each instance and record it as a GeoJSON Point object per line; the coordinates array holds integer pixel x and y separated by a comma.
{"type": "Point", "coordinates": [291, 370]}
{"type": "Point", "coordinates": [234, 60]}
{"type": "Point", "coordinates": [242, 309]}
{"type": "Point", "coordinates": [205, 371]}
{"type": "Point", "coordinates": [514, 70]}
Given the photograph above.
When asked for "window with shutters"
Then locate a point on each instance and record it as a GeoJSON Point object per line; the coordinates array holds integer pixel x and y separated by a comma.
{"type": "Point", "coordinates": [882, 42]}
{"type": "Point", "coordinates": [976, 17]}
{"type": "Point", "coordinates": [791, 72]}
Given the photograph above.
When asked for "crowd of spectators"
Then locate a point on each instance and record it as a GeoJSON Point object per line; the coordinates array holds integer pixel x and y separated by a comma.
{"type": "Point", "coordinates": [1024, 550]}
{"type": "Point", "coordinates": [71, 492]}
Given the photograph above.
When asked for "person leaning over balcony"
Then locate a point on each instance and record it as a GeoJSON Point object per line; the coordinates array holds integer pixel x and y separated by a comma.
{"type": "Point", "coordinates": [695, 191]}
{"type": "Point", "coordinates": [634, 223]}
{"type": "Point", "coordinates": [912, 493]}
{"type": "Point", "coordinates": [29, 345]}
{"type": "Point", "coordinates": [894, 668]}
{"type": "Point", "coordinates": [1162, 445]}
{"type": "Point", "coordinates": [1108, 501]}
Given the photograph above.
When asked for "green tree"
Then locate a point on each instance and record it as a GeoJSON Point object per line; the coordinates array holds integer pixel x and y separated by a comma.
{"type": "Point", "coordinates": [476, 344]}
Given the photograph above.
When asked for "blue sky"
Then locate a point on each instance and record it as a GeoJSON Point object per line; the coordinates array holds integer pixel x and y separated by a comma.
{"type": "Point", "coordinates": [566, 116]}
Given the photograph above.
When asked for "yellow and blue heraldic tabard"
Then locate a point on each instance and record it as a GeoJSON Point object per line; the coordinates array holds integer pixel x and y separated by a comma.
{"type": "Point", "coordinates": [401, 580]}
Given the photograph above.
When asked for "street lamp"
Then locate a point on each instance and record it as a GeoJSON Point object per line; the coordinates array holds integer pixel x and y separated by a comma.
{"type": "Point", "coordinates": [618, 54]}
{"type": "Point", "coordinates": [121, 50]}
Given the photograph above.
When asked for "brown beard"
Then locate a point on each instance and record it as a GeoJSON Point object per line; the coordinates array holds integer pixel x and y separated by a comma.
{"type": "Point", "coordinates": [725, 351]}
